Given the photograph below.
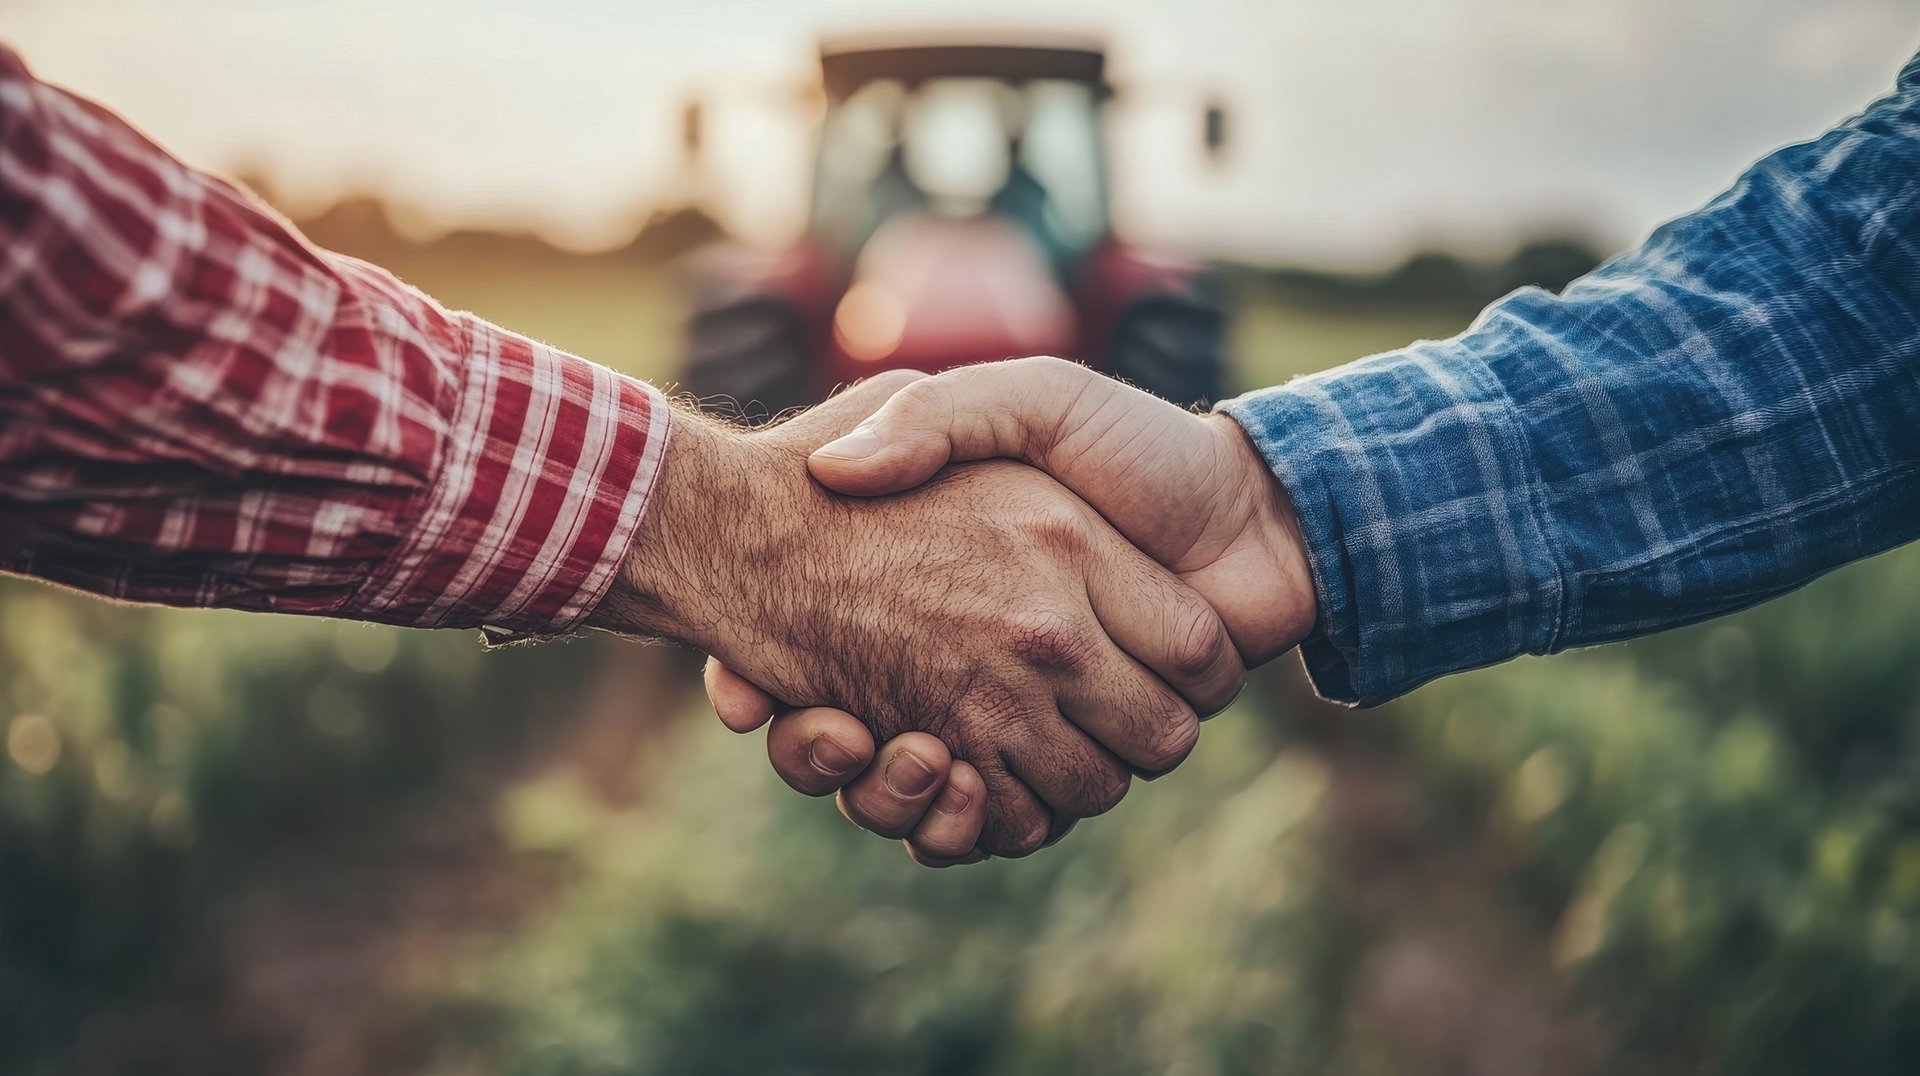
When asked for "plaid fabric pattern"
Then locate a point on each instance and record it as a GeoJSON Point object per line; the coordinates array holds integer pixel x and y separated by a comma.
{"type": "Point", "coordinates": [1704, 423]}
{"type": "Point", "coordinates": [199, 408]}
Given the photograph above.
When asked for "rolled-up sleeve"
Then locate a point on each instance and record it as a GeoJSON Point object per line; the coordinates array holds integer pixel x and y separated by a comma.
{"type": "Point", "coordinates": [1708, 421]}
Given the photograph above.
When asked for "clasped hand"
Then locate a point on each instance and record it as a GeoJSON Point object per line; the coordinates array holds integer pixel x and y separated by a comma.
{"type": "Point", "coordinates": [1025, 637]}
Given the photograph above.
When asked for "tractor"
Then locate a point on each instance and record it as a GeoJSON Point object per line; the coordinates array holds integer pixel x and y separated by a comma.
{"type": "Point", "coordinates": [959, 215]}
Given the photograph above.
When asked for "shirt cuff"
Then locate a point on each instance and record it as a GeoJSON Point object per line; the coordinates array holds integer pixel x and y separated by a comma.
{"type": "Point", "coordinates": [543, 481]}
{"type": "Point", "coordinates": [1420, 506]}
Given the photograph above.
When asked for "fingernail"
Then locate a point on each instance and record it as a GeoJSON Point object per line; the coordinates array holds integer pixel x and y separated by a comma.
{"type": "Point", "coordinates": [952, 801]}
{"type": "Point", "coordinates": [830, 758]}
{"type": "Point", "coordinates": [907, 776]}
{"type": "Point", "coordinates": [858, 445]}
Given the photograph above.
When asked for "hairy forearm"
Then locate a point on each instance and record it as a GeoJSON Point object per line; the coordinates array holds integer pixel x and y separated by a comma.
{"type": "Point", "coordinates": [711, 521]}
{"type": "Point", "coordinates": [735, 558]}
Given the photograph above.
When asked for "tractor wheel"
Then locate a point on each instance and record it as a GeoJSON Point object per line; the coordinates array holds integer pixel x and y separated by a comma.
{"type": "Point", "coordinates": [749, 361]}
{"type": "Point", "coordinates": [1172, 346]}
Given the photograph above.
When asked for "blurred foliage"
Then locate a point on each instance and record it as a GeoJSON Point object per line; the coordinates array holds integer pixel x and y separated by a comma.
{"type": "Point", "coordinates": [155, 758]}
{"type": "Point", "coordinates": [1722, 823]}
{"type": "Point", "coordinates": [727, 926]}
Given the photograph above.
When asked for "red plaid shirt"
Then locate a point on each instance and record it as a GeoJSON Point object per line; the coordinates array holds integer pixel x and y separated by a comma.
{"type": "Point", "coordinates": [197, 407]}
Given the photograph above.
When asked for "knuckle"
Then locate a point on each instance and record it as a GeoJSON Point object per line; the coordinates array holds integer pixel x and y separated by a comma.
{"type": "Point", "coordinates": [1049, 638]}
{"type": "Point", "coordinates": [988, 711]}
{"type": "Point", "coordinates": [1055, 525]}
{"type": "Point", "coordinates": [918, 394]}
{"type": "Point", "coordinates": [1060, 831]}
{"type": "Point", "coordinates": [1012, 838]}
{"type": "Point", "coordinates": [1103, 791]}
{"type": "Point", "coordinates": [1199, 644]}
{"type": "Point", "coordinates": [895, 380]}
{"type": "Point", "coordinates": [1180, 732]}
{"type": "Point", "coordinates": [1026, 842]}
{"type": "Point", "coordinates": [1049, 366]}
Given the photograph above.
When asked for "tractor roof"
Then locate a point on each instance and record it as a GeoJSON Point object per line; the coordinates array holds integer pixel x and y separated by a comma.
{"type": "Point", "coordinates": [846, 69]}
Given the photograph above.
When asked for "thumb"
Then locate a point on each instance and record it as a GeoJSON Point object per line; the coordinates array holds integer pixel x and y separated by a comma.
{"type": "Point", "coordinates": [1011, 410]}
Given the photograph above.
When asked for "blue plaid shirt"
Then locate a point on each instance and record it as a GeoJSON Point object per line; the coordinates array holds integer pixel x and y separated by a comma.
{"type": "Point", "coordinates": [1704, 423]}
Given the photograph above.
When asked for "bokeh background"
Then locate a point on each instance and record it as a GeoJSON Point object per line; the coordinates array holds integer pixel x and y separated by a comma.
{"type": "Point", "coordinates": [239, 844]}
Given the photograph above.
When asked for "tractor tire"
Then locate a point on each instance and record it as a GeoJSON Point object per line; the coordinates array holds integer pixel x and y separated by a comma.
{"type": "Point", "coordinates": [749, 362]}
{"type": "Point", "coordinates": [1172, 346]}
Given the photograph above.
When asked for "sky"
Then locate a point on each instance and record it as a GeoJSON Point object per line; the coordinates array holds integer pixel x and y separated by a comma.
{"type": "Point", "coordinates": [1359, 129]}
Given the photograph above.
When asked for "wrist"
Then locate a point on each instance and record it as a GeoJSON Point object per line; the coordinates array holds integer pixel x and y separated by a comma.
{"type": "Point", "coordinates": [1273, 530]}
{"type": "Point", "coordinates": [710, 505]}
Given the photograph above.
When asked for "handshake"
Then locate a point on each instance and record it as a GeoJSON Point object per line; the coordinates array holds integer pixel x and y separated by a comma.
{"type": "Point", "coordinates": [1026, 581]}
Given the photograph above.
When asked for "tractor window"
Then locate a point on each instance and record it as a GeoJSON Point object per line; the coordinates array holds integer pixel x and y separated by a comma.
{"type": "Point", "coordinates": [957, 142]}
{"type": "Point", "coordinates": [962, 147]}
{"type": "Point", "coordinates": [856, 149]}
{"type": "Point", "coordinates": [1060, 149]}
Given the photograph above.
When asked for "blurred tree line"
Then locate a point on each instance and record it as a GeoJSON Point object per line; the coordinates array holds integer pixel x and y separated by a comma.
{"type": "Point", "coordinates": [1440, 278]}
